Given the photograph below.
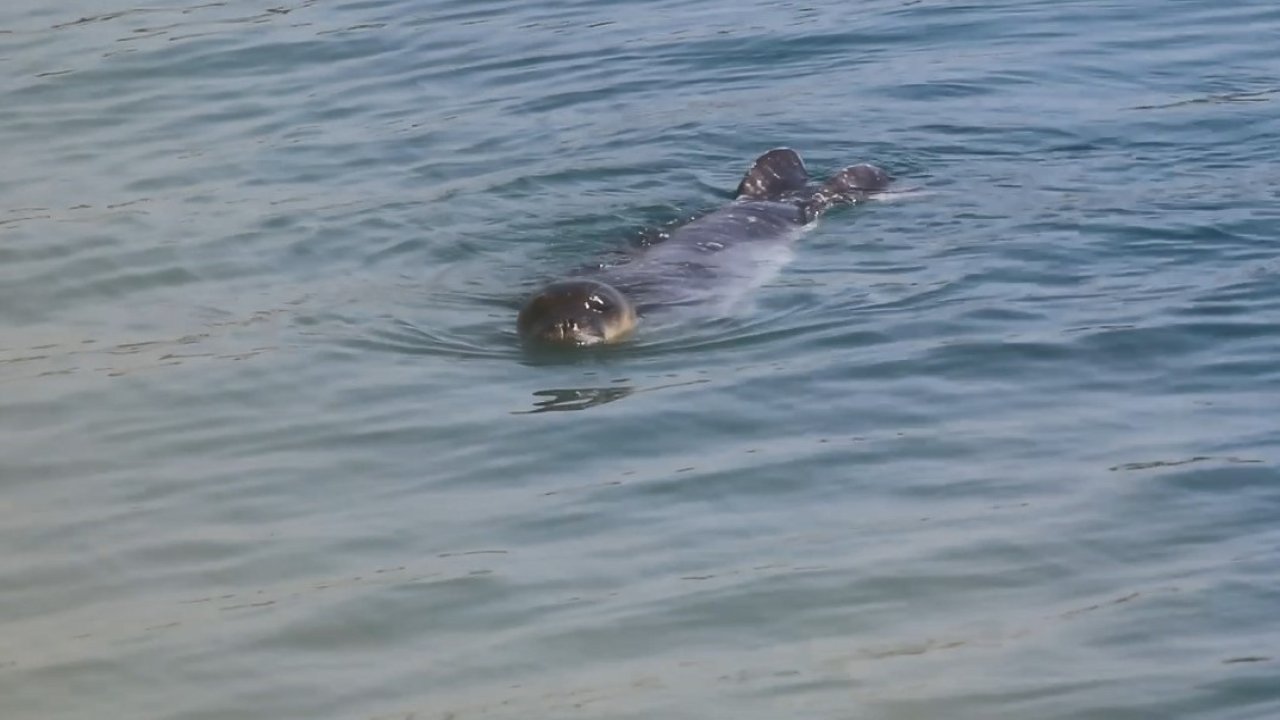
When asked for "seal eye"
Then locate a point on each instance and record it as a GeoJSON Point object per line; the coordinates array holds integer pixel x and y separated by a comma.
{"type": "Point", "coordinates": [597, 303]}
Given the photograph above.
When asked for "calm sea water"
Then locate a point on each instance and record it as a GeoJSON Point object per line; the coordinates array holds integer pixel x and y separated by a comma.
{"type": "Point", "coordinates": [1004, 448]}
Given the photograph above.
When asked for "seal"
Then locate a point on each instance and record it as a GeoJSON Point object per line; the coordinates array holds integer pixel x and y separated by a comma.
{"type": "Point", "coordinates": [577, 312]}
{"type": "Point", "coordinates": [772, 207]}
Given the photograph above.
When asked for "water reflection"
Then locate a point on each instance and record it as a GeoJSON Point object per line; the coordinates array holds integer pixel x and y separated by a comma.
{"type": "Point", "coordinates": [556, 400]}
{"type": "Point", "coordinates": [576, 398]}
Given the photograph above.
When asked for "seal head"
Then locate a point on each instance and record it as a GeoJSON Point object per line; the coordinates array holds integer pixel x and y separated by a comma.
{"type": "Point", "coordinates": [575, 313]}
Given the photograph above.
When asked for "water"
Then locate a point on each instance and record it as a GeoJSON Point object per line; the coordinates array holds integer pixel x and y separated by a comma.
{"type": "Point", "coordinates": [1006, 448]}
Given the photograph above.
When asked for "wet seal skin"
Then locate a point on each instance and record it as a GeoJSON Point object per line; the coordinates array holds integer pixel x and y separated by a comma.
{"type": "Point", "coordinates": [774, 203]}
{"type": "Point", "coordinates": [577, 312]}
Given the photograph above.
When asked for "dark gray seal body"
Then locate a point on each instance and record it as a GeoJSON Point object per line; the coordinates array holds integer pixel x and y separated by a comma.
{"type": "Point", "coordinates": [695, 262]}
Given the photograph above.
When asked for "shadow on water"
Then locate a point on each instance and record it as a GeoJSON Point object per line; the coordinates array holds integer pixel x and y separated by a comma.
{"type": "Point", "coordinates": [585, 398]}
{"type": "Point", "coordinates": [567, 399]}
{"type": "Point", "coordinates": [576, 399]}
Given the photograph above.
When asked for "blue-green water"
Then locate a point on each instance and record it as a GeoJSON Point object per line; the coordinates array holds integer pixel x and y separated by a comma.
{"type": "Point", "coordinates": [1004, 448]}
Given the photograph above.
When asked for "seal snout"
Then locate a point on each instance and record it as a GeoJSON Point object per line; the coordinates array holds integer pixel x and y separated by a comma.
{"type": "Point", "coordinates": [576, 312]}
{"type": "Point", "coordinates": [571, 330]}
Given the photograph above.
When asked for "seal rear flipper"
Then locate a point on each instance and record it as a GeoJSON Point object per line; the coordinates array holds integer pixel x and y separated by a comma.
{"type": "Point", "coordinates": [850, 185]}
{"type": "Point", "coordinates": [774, 174]}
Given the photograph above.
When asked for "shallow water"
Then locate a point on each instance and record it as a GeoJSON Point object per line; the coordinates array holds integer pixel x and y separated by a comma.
{"type": "Point", "coordinates": [1006, 447]}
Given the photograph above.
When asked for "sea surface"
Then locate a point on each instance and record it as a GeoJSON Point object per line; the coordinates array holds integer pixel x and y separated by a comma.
{"type": "Point", "coordinates": [1004, 446]}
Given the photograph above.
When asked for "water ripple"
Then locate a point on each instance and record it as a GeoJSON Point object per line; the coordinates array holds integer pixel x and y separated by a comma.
{"type": "Point", "coordinates": [1003, 447]}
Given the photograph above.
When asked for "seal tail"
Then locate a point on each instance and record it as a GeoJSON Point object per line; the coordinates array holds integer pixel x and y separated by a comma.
{"type": "Point", "coordinates": [850, 185]}
{"type": "Point", "coordinates": [774, 174]}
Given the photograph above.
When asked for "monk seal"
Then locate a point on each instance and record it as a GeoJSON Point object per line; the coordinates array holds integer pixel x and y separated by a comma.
{"type": "Point", "coordinates": [773, 205]}
{"type": "Point", "coordinates": [577, 312]}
